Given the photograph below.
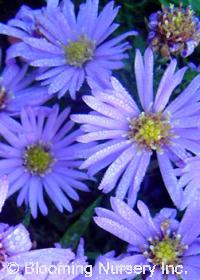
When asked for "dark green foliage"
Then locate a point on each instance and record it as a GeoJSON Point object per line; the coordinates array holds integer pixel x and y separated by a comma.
{"type": "Point", "coordinates": [195, 4]}
{"type": "Point", "coordinates": [73, 234]}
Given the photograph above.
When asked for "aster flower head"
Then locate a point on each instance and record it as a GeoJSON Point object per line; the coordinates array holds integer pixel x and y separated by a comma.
{"type": "Point", "coordinates": [42, 156]}
{"type": "Point", "coordinates": [74, 48]}
{"type": "Point", "coordinates": [159, 242]}
{"type": "Point", "coordinates": [17, 89]}
{"type": "Point", "coordinates": [129, 134]}
{"type": "Point", "coordinates": [174, 30]}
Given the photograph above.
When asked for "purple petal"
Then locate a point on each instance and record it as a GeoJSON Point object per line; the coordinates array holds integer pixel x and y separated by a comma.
{"type": "Point", "coordinates": [115, 170]}
{"type": "Point", "coordinates": [191, 272]}
{"type": "Point", "coordinates": [185, 96]}
{"type": "Point", "coordinates": [11, 31]}
{"type": "Point", "coordinates": [120, 231]}
{"type": "Point", "coordinates": [17, 240]}
{"type": "Point", "coordinates": [139, 74]}
{"type": "Point", "coordinates": [100, 135]}
{"type": "Point", "coordinates": [189, 227]}
{"type": "Point", "coordinates": [4, 184]}
{"type": "Point", "coordinates": [189, 48]}
{"type": "Point", "coordinates": [49, 62]}
{"type": "Point", "coordinates": [112, 149]}
{"type": "Point", "coordinates": [61, 80]}
{"type": "Point", "coordinates": [194, 249]}
{"type": "Point", "coordinates": [170, 179]}
{"type": "Point", "coordinates": [127, 213]}
{"type": "Point", "coordinates": [139, 175]}
{"type": "Point", "coordinates": [52, 4]}
{"type": "Point", "coordinates": [128, 177]}
{"type": "Point", "coordinates": [43, 45]}
{"type": "Point", "coordinates": [103, 109]}
{"type": "Point", "coordinates": [164, 96]}
{"type": "Point", "coordinates": [99, 121]}
{"type": "Point", "coordinates": [148, 74]}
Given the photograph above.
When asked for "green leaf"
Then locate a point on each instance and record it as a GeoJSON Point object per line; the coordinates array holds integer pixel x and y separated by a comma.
{"type": "Point", "coordinates": [177, 2]}
{"type": "Point", "coordinates": [164, 2]}
{"type": "Point", "coordinates": [184, 2]}
{"type": "Point", "coordinates": [73, 234]}
{"type": "Point", "coordinates": [140, 43]}
{"type": "Point", "coordinates": [195, 5]}
{"type": "Point", "coordinates": [93, 255]}
{"type": "Point", "coordinates": [27, 219]}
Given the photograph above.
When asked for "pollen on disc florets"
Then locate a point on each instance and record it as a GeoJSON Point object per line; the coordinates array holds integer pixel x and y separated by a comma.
{"type": "Point", "coordinates": [175, 27]}
{"type": "Point", "coordinates": [37, 159]}
{"type": "Point", "coordinates": [165, 250]}
{"type": "Point", "coordinates": [150, 131]}
{"type": "Point", "coordinates": [79, 52]}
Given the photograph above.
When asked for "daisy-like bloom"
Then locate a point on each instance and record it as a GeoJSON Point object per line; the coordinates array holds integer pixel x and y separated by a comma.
{"type": "Point", "coordinates": [18, 261]}
{"type": "Point", "coordinates": [74, 48]}
{"type": "Point", "coordinates": [174, 30]}
{"type": "Point", "coordinates": [17, 89]}
{"type": "Point", "coordinates": [161, 242]}
{"type": "Point", "coordinates": [42, 156]}
{"type": "Point", "coordinates": [189, 179]}
{"type": "Point", "coordinates": [129, 135]}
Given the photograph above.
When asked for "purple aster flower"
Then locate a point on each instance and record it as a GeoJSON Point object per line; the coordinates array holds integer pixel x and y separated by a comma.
{"type": "Point", "coordinates": [15, 250]}
{"type": "Point", "coordinates": [128, 135]}
{"type": "Point", "coordinates": [17, 91]}
{"type": "Point", "coordinates": [174, 30]}
{"type": "Point", "coordinates": [42, 156]}
{"type": "Point", "coordinates": [159, 242]}
{"type": "Point", "coordinates": [73, 48]}
{"type": "Point", "coordinates": [189, 179]}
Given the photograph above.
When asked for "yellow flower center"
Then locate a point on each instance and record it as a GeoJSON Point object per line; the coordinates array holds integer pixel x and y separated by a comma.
{"type": "Point", "coordinates": [38, 159]}
{"type": "Point", "coordinates": [150, 130]}
{"type": "Point", "coordinates": [79, 52]}
{"type": "Point", "coordinates": [164, 252]}
{"type": "Point", "coordinates": [177, 24]}
{"type": "Point", "coordinates": [167, 250]}
{"type": "Point", "coordinates": [174, 28]}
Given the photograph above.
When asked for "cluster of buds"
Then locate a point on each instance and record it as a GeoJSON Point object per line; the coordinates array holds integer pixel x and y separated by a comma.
{"type": "Point", "coordinates": [174, 30]}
